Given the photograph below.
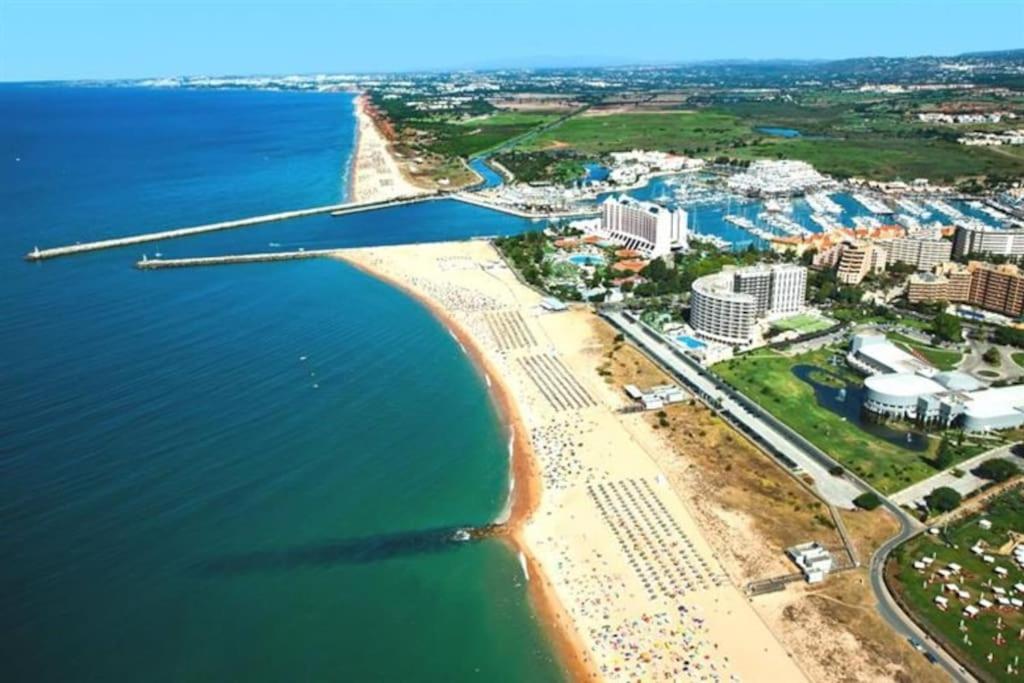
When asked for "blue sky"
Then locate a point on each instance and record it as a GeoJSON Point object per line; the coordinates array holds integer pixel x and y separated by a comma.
{"type": "Point", "coordinates": [56, 39]}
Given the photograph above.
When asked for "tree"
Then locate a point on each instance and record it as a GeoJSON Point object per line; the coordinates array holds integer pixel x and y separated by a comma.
{"type": "Point", "coordinates": [943, 499]}
{"type": "Point", "coordinates": [997, 469]}
{"type": "Point", "coordinates": [947, 327]}
{"type": "Point", "coordinates": [867, 501]}
{"type": "Point", "coordinates": [991, 356]}
{"type": "Point", "coordinates": [944, 456]}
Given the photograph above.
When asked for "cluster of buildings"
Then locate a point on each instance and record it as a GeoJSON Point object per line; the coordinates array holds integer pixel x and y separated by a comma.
{"type": "Point", "coordinates": [646, 227]}
{"type": "Point", "coordinates": [657, 397]}
{"type": "Point", "coordinates": [730, 306]}
{"type": "Point", "coordinates": [855, 260]}
{"type": "Point", "coordinates": [966, 117]}
{"type": "Point", "coordinates": [1007, 137]}
{"type": "Point", "coordinates": [629, 168]}
{"type": "Point", "coordinates": [767, 178]}
{"type": "Point", "coordinates": [900, 385]}
{"type": "Point", "coordinates": [997, 288]}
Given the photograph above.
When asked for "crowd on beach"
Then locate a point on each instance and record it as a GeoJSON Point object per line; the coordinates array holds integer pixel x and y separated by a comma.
{"type": "Point", "coordinates": [637, 587]}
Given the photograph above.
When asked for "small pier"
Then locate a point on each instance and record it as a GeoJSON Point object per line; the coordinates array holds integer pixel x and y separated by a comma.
{"type": "Point", "coordinates": [334, 209]}
{"type": "Point", "coordinates": [156, 264]}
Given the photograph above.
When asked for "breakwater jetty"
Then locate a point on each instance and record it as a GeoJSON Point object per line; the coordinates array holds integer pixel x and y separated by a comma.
{"type": "Point", "coordinates": [334, 209]}
{"type": "Point", "coordinates": [157, 263]}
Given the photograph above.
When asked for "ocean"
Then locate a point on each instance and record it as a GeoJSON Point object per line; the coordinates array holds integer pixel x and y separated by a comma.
{"type": "Point", "coordinates": [239, 473]}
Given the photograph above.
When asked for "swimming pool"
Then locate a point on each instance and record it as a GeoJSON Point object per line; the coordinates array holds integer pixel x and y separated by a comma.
{"type": "Point", "coordinates": [689, 342]}
{"type": "Point", "coordinates": [587, 259]}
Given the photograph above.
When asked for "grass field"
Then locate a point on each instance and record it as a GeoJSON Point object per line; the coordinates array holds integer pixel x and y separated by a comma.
{"type": "Point", "coordinates": [479, 134]}
{"type": "Point", "coordinates": [768, 378]}
{"type": "Point", "coordinates": [803, 323]}
{"type": "Point", "coordinates": [684, 132]}
{"type": "Point", "coordinates": [919, 588]}
{"type": "Point", "coordinates": [1018, 358]}
{"type": "Point", "coordinates": [838, 140]}
{"type": "Point", "coordinates": [943, 359]}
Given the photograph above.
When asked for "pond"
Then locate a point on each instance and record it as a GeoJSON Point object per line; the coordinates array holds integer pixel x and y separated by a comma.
{"type": "Point", "coordinates": [843, 398]}
{"type": "Point", "coordinates": [779, 132]}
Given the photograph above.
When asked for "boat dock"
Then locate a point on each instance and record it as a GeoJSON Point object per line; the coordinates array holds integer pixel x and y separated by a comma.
{"type": "Point", "coordinates": [468, 198]}
{"type": "Point", "coordinates": [334, 209]}
{"type": "Point", "coordinates": [155, 264]}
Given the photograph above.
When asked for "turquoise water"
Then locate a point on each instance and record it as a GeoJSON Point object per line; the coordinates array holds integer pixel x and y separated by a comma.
{"type": "Point", "coordinates": [690, 342]}
{"type": "Point", "coordinates": [183, 496]}
{"type": "Point", "coordinates": [586, 259]}
{"type": "Point", "coordinates": [779, 132]}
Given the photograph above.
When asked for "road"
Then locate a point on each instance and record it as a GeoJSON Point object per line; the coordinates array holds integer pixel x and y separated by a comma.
{"type": "Point", "coordinates": [719, 397]}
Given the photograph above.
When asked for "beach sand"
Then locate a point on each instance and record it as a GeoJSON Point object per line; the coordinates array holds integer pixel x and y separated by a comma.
{"type": "Point", "coordinates": [376, 174]}
{"type": "Point", "coordinates": [619, 568]}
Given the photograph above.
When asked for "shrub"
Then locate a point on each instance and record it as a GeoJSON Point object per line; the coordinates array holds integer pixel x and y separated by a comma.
{"type": "Point", "coordinates": [867, 501]}
{"type": "Point", "coordinates": [836, 471]}
{"type": "Point", "coordinates": [943, 499]}
{"type": "Point", "coordinates": [997, 469]}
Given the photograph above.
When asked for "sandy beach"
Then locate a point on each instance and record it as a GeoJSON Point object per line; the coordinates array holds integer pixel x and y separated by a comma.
{"type": "Point", "coordinates": [376, 174]}
{"type": "Point", "coordinates": [619, 568]}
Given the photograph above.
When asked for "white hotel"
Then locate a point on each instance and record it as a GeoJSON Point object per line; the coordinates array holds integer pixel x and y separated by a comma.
{"type": "Point", "coordinates": [726, 307]}
{"type": "Point", "coordinates": [649, 228]}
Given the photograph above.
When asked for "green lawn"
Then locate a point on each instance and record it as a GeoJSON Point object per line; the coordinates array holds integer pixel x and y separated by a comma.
{"type": "Point", "coordinates": [480, 134]}
{"type": "Point", "coordinates": [1018, 358]}
{"type": "Point", "coordinates": [804, 323]}
{"type": "Point", "coordinates": [693, 132]}
{"type": "Point", "coordinates": [943, 359]}
{"type": "Point", "coordinates": [883, 157]}
{"type": "Point", "coordinates": [919, 588]}
{"type": "Point", "coordinates": [767, 377]}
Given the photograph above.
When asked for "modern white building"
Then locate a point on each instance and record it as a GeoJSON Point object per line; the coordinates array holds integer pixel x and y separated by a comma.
{"type": "Point", "coordinates": [902, 386]}
{"type": "Point", "coordinates": [924, 253]}
{"type": "Point", "coordinates": [814, 560]}
{"type": "Point", "coordinates": [647, 227]}
{"type": "Point", "coordinates": [726, 307]}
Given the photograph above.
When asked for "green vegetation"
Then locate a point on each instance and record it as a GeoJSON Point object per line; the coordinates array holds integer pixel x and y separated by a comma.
{"type": "Point", "coordinates": [698, 133]}
{"type": "Point", "coordinates": [1018, 358]}
{"type": "Point", "coordinates": [562, 166]}
{"type": "Point", "coordinates": [841, 136]}
{"type": "Point", "coordinates": [947, 327]}
{"type": "Point", "coordinates": [943, 499]}
{"type": "Point", "coordinates": [918, 589]}
{"type": "Point", "coordinates": [769, 379]}
{"type": "Point", "coordinates": [943, 359]}
{"type": "Point", "coordinates": [476, 135]}
{"type": "Point", "coordinates": [997, 469]}
{"type": "Point", "coordinates": [803, 323]}
{"type": "Point", "coordinates": [867, 501]}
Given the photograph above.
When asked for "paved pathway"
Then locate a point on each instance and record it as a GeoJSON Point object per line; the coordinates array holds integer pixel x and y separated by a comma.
{"type": "Point", "coordinates": [968, 483]}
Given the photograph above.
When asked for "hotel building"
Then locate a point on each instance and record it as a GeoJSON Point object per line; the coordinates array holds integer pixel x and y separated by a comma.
{"type": "Point", "coordinates": [647, 227]}
{"type": "Point", "coordinates": [997, 288]}
{"type": "Point", "coordinates": [923, 253]}
{"type": "Point", "coordinates": [856, 263]}
{"type": "Point", "coordinates": [726, 307]}
{"type": "Point", "coordinates": [976, 239]}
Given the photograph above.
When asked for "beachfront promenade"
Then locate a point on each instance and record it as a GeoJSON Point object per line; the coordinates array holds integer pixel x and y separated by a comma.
{"type": "Point", "coordinates": [333, 209]}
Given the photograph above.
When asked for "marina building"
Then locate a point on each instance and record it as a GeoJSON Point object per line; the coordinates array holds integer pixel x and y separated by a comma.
{"type": "Point", "coordinates": [726, 307]}
{"type": "Point", "coordinates": [924, 253]}
{"type": "Point", "coordinates": [645, 226]}
{"type": "Point", "coordinates": [979, 239]}
{"type": "Point", "coordinates": [856, 263]}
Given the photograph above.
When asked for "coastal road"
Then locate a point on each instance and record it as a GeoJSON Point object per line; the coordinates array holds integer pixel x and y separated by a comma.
{"type": "Point", "coordinates": [774, 437]}
{"type": "Point", "coordinates": [717, 396]}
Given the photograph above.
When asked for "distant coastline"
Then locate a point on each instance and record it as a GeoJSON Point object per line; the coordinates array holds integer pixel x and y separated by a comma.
{"type": "Point", "coordinates": [374, 172]}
